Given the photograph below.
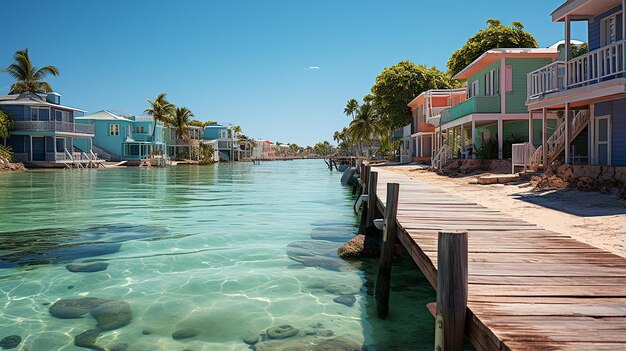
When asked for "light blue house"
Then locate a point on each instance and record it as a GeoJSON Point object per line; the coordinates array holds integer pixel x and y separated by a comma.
{"type": "Point", "coordinates": [120, 138]}
{"type": "Point", "coordinates": [44, 132]}
{"type": "Point", "coordinates": [225, 144]}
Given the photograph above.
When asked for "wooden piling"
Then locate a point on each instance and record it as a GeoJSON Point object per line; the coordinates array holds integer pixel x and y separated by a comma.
{"type": "Point", "coordinates": [371, 200]}
{"type": "Point", "coordinates": [383, 279]}
{"type": "Point", "coordinates": [365, 177]}
{"type": "Point", "coordinates": [451, 290]}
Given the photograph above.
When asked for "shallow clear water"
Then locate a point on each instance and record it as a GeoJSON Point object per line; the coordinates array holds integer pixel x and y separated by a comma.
{"type": "Point", "coordinates": [197, 247]}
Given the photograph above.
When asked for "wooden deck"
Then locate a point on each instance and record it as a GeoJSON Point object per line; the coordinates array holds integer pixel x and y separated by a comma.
{"type": "Point", "coordinates": [529, 288]}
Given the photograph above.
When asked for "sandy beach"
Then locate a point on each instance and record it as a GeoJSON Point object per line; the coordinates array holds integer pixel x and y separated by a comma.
{"type": "Point", "coordinates": [594, 218]}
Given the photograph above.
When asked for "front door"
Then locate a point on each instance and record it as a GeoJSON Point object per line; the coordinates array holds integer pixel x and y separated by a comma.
{"type": "Point", "coordinates": [39, 148]}
{"type": "Point", "coordinates": [603, 140]}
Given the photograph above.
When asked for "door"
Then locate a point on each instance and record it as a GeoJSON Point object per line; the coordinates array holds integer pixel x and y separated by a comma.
{"type": "Point", "coordinates": [39, 148]}
{"type": "Point", "coordinates": [603, 140]}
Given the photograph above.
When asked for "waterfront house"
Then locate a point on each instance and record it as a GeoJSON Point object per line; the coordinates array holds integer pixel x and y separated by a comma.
{"type": "Point", "coordinates": [120, 138]}
{"type": "Point", "coordinates": [183, 148]}
{"type": "Point", "coordinates": [228, 146]}
{"type": "Point", "coordinates": [494, 112]}
{"type": "Point", "coordinates": [426, 111]}
{"type": "Point", "coordinates": [588, 92]}
{"type": "Point", "coordinates": [44, 132]}
{"type": "Point", "coordinates": [263, 150]}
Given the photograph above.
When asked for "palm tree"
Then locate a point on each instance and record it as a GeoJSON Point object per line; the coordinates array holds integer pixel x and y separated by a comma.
{"type": "Point", "coordinates": [28, 77]}
{"type": "Point", "coordinates": [160, 109]}
{"type": "Point", "coordinates": [365, 126]}
{"type": "Point", "coordinates": [351, 108]}
{"type": "Point", "coordinates": [180, 120]}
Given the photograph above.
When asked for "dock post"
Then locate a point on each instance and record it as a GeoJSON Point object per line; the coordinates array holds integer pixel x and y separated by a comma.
{"type": "Point", "coordinates": [451, 291]}
{"type": "Point", "coordinates": [383, 279]}
{"type": "Point", "coordinates": [366, 176]}
{"type": "Point", "coordinates": [371, 201]}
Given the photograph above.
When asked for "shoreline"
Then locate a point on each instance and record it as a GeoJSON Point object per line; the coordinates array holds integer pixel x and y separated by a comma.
{"type": "Point", "coordinates": [593, 218]}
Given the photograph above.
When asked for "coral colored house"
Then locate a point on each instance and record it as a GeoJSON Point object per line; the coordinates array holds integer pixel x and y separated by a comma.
{"type": "Point", "coordinates": [425, 110]}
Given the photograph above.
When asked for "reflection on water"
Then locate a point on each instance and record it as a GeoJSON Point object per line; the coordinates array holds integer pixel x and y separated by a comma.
{"type": "Point", "coordinates": [197, 258]}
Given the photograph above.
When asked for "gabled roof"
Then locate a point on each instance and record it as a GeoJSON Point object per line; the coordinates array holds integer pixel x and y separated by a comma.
{"type": "Point", "coordinates": [438, 92]}
{"type": "Point", "coordinates": [104, 115]}
{"type": "Point", "coordinates": [494, 55]}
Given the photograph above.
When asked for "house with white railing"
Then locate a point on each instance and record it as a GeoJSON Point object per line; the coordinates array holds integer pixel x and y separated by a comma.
{"type": "Point", "coordinates": [494, 113]}
{"type": "Point", "coordinates": [426, 111]}
{"type": "Point", "coordinates": [44, 133]}
{"type": "Point", "coordinates": [587, 92]}
{"type": "Point", "coordinates": [124, 138]}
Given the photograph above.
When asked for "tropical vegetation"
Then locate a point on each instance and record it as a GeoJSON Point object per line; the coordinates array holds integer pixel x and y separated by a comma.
{"type": "Point", "coordinates": [496, 35]}
{"type": "Point", "coordinates": [29, 78]}
{"type": "Point", "coordinates": [180, 120]}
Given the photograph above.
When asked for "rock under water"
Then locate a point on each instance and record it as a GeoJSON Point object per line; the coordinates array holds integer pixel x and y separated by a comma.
{"type": "Point", "coordinates": [87, 268]}
{"type": "Point", "coordinates": [347, 300]}
{"type": "Point", "coordinates": [321, 254]}
{"type": "Point", "coordinates": [88, 339]}
{"type": "Point", "coordinates": [75, 308]}
{"type": "Point", "coordinates": [281, 332]}
{"type": "Point", "coordinates": [112, 315]}
{"type": "Point", "coordinates": [10, 342]}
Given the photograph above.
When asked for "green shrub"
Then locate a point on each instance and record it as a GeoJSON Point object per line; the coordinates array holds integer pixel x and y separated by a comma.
{"type": "Point", "coordinates": [6, 153]}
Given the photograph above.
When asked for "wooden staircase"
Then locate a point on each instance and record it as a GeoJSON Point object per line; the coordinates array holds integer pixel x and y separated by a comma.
{"type": "Point", "coordinates": [556, 143]}
{"type": "Point", "coordinates": [441, 157]}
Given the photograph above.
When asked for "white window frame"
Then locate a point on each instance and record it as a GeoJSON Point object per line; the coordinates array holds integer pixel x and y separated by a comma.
{"type": "Point", "coordinates": [490, 83]}
{"type": "Point", "coordinates": [596, 137]}
{"type": "Point", "coordinates": [139, 130]}
{"type": "Point", "coordinates": [114, 129]}
{"type": "Point", "coordinates": [473, 89]}
{"type": "Point", "coordinates": [606, 36]}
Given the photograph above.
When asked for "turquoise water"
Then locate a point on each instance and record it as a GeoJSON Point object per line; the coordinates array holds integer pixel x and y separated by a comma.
{"type": "Point", "coordinates": [202, 248]}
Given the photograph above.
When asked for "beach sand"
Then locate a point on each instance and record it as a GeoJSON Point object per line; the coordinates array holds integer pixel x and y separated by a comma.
{"type": "Point", "coordinates": [594, 218]}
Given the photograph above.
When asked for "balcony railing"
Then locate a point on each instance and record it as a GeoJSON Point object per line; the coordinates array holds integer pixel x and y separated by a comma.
{"type": "Point", "coordinates": [594, 67]}
{"type": "Point", "coordinates": [546, 79]}
{"type": "Point", "coordinates": [477, 104]}
{"type": "Point", "coordinates": [52, 126]}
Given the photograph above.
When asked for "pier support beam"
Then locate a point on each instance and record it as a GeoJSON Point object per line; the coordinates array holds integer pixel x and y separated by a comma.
{"type": "Point", "coordinates": [383, 279]}
{"type": "Point", "coordinates": [451, 291]}
{"type": "Point", "coordinates": [371, 202]}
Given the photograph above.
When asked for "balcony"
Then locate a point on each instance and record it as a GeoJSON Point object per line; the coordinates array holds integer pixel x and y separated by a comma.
{"type": "Point", "coordinates": [477, 104]}
{"type": "Point", "coordinates": [594, 67]}
{"type": "Point", "coordinates": [140, 136]}
{"type": "Point", "coordinates": [52, 127]}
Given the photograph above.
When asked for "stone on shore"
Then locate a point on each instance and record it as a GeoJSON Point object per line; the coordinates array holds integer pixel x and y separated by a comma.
{"type": "Point", "coordinates": [87, 268]}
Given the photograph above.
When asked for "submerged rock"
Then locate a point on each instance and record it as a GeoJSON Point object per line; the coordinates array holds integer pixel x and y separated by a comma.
{"type": "Point", "coordinates": [336, 236]}
{"type": "Point", "coordinates": [281, 332]}
{"type": "Point", "coordinates": [184, 333]}
{"type": "Point", "coordinates": [75, 308]}
{"type": "Point", "coordinates": [251, 339]}
{"type": "Point", "coordinates": [10, 342]}
{"type": "Point", "coordinates": [112, 315]}
{"type": "Point", "coordinates": [119, 347]}
{"type": "Point", "coordinates": [321, 254]}
{"type": "Point", "coordinates": [337, 344]}
{"type": "Point", "coordinates": [88, 339]}
{"type": "Point", "coordinates": [87, 268]}
{"type": "Point", "coordinates": [347, 300]}
{"type": "Point", "coordinates": [342, 289]}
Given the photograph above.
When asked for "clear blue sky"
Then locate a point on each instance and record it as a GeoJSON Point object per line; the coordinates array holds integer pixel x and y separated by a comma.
{"type": "Point", "coordinates": [244, 62]}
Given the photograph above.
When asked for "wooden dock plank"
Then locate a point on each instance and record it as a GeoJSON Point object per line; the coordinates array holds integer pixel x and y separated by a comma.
{"type": "Point", "coordinates": [529, 288]}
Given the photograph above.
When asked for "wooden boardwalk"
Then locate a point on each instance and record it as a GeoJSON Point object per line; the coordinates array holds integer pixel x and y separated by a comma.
{"type": "Point", "coordinates": [529, 288]}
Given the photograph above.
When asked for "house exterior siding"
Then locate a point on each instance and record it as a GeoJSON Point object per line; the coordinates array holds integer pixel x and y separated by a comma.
{"type": "Point", "coordinates": [594, 28]}
{"type": "Point", "coordinates": [516, 98]}
{"type": "Point", "coordinates": [617, 110]}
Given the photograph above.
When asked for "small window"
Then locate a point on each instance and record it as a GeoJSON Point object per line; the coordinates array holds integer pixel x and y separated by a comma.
{"type": "Point", "coordinates": [491, 83]}
{"type": "Point", "coordinates": [472, 89]}
{"type": "Point", "coordinates": [610, 30]}
{"type": "Point", "coordinates": [139, 130]}
{"type": "Point", "coordinates": [509, 79]}
{"type": "Point", "coordinates": [114, 129]}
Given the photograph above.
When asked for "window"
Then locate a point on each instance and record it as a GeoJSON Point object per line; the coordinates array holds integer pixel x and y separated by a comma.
{"type": "Point", "coordinates": [39, 114]}
{"type": "Point", "coordinates": [491, 83]}
{"type": "Point", "coordinates": [114, 129]}
{"type": "Point", "coordinates": [472, 89]}
{"type": "Point", "coordinates": [610, 29]}
{"type": "Point", "coordinates": [140, 130]}
{"type": "Point", "coordinates": [62, 116]}
{"type": "Point", "coordinates": [508, 78]}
